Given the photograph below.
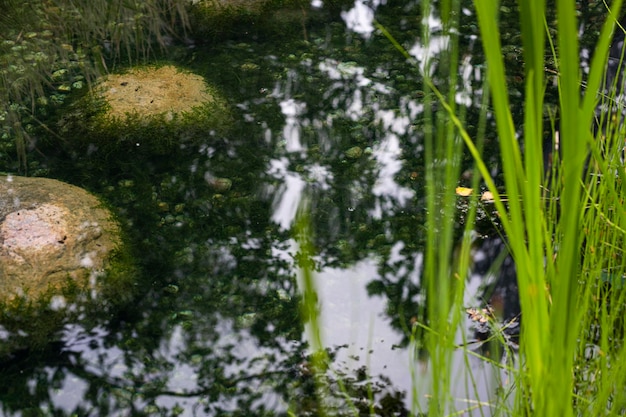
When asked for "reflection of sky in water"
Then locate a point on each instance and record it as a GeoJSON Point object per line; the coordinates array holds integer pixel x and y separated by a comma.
{"type": "Point", "coordinates": [388, 155]}
{"type": "Point", "coordinates": [288, 196]}
{"type": "Point", "coordinates": [110, 364]}
{"type": "Point", "coordinates": [349, 316]}
{"type": "Point", "coordinates": [360, 18]}
{"type": "Point", "coordinates": [291, 133]}
{"type": "Point", "coordinates": [352, 319]}
{"type": "Point", "coordinates": [425, 52]}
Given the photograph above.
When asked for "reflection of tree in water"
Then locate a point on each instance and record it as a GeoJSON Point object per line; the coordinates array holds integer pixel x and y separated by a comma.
{"type": "Point", "coordinates": [221, 338]}
{"type": "Point", "coordinates": [216, 323]}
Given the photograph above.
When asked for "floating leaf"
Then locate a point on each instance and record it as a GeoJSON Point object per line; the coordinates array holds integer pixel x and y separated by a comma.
{"type": "Point", "coordinates": [464, 191]}
{"type": "Point", "coordinates": [59, 74]}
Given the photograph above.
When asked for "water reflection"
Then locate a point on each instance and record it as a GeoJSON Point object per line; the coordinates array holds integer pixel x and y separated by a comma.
{"type": "Point", "coordinates": [360, 18]}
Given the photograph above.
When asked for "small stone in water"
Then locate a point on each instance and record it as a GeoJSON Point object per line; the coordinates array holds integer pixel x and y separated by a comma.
{"type": "Point", "coordinates": [246, 320]}
{"type": "Point", "coordinates": [220, 184]}
{"type": "Point", "coordinates": [182, 315]}
{"type": "Point", "coordinates": [171, 289]}
{"type": "Point", "coordinates": [354, 153]}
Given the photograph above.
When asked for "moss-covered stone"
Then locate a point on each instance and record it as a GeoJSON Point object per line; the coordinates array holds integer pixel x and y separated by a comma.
{"type": "Point", "coordinates": [218, 19]}
{"type": "Point", "coordinates": [154, 107]}
{"type": "Point", "coordinates": [61, 254]}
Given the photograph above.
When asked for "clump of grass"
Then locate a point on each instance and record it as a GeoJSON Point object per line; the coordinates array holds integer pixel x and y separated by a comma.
{"type": "Point", "coordinates": [556, 278]}
{"type": "Point", "coordinates": [559, 284]}
{"type": "Point", "coordinates": [565, 230]}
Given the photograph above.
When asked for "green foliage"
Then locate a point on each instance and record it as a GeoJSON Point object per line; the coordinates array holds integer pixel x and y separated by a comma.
{"type": "Point", "coordinates": [545, 238]}
{"type": "Point", "coordinates": [565, 229]}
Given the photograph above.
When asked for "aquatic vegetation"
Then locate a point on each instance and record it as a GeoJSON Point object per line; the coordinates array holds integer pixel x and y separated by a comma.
{"type": "Point", "coordinates": [50, 48]}
{"type": "Point", "coordinates": [564, 230]}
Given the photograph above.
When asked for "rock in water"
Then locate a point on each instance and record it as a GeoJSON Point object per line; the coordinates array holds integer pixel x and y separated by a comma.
{"type": "Point", "coordinates": [153, 109]}
{"type": "Point", "coordinates": [51, 232]}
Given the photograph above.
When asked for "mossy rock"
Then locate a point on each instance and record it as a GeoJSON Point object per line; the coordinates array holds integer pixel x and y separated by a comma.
{"type": "Point", "coordinates": [62, 255]}
{"type": "Point", "coordinates": [214, 20]}
{"type": "Point", "coordinates": [155, 107]}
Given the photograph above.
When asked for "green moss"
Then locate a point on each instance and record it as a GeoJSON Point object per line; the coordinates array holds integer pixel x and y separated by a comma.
{"type": "Point", "coordinates": [118, 286]}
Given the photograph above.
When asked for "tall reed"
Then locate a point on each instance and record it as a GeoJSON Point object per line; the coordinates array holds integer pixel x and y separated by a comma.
{"type": "Point", "coordinates": [565, 230]}
{"type": "Point", "coordinates": [443, 280]}
{"type": "Point", "coordinates": [546, 242]}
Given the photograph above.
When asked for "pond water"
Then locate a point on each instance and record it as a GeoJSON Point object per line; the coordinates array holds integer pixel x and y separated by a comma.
{"type": "Point", "coordinates": [329, 115]}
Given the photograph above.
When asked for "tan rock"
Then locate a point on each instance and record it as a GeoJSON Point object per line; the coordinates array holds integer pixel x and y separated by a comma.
{"type": "Point", "coordinates": [51, 232]}
{"type": "Point", "coordinates": [149, 91]}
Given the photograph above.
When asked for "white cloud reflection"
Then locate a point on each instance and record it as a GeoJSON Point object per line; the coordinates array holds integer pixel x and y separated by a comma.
{"type": "Point", "coordinates": [359, 19]}
{"type": "Point", "coordinates": [292, 109]}
{"type": "Point", "coordinates": [287, 198]}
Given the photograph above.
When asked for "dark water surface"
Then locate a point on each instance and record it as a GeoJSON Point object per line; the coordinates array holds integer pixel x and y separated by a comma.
{"type": "Point", "coordinates": [330, 115]}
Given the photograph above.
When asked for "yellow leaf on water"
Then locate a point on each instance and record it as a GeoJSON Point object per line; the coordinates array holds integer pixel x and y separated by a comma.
{"type": "Point", "coordinates": [464, 191]}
